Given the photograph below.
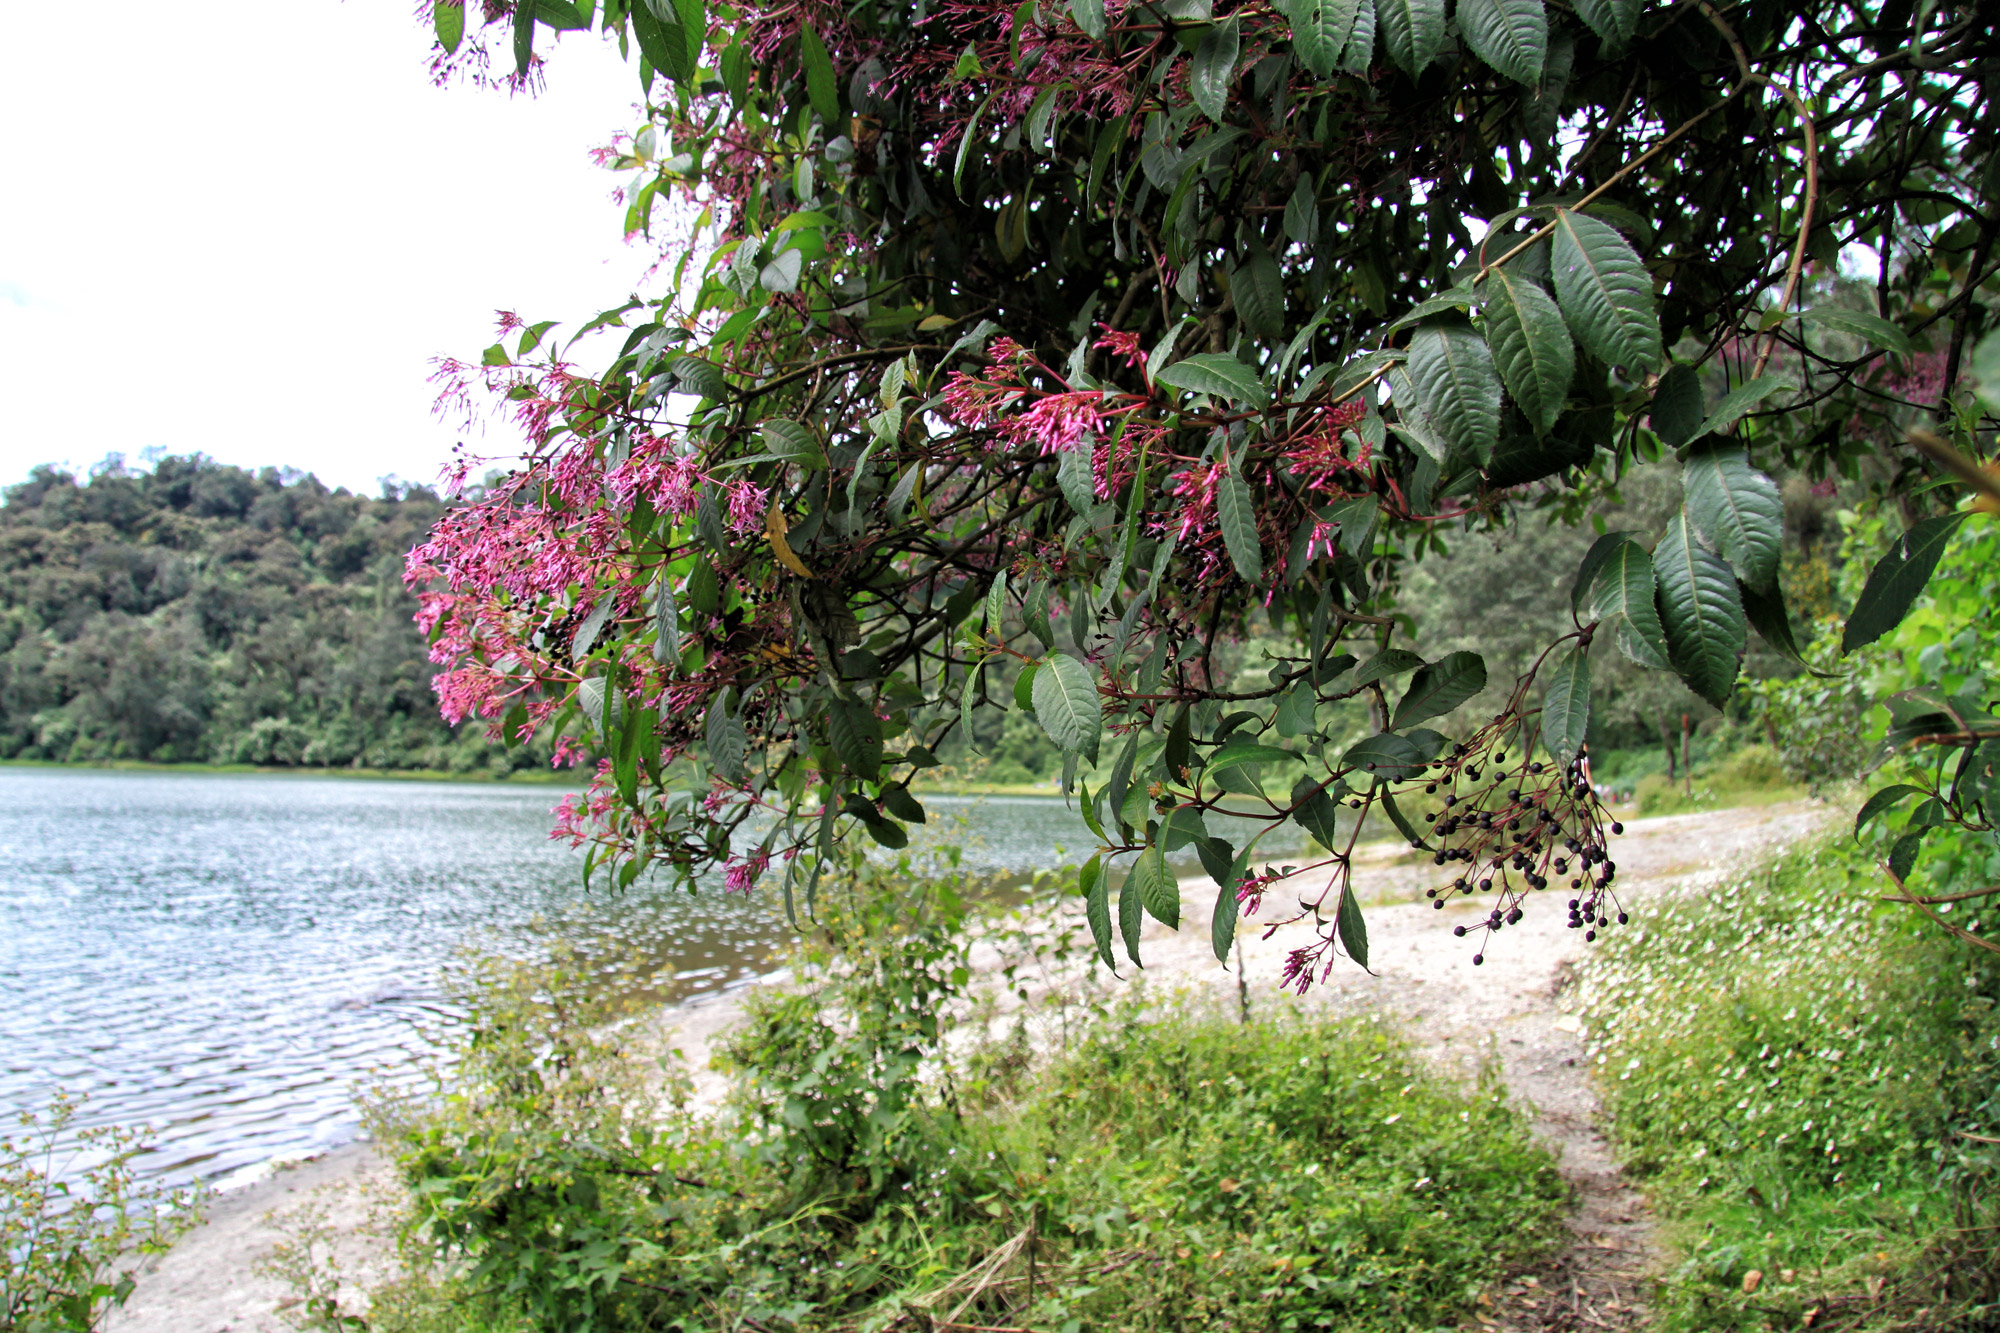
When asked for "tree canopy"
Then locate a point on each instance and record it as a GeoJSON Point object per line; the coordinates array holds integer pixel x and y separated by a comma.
{"type": "Point", "coordinates": [1102, 339]}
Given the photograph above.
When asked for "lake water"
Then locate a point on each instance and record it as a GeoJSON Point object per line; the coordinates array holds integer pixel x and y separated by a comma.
{"type": "Point", "coordinates": [226, 959]}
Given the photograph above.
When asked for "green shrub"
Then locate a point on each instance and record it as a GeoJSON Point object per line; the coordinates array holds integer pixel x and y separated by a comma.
{"type": "Point", "coordinates": [1790, 1063]}
{"type": "Point", "coordinates": [1171, 1169]}
{"type": "Point", "coordinates": [1752, 775]}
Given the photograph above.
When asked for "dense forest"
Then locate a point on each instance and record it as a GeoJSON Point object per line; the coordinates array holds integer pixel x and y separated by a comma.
{"type": "Point", "coordinates": [197, 612]}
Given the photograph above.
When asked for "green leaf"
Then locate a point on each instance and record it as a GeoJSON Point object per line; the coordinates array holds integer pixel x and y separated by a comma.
{"type": "Point", "coordinates": [1623, 589]}
{"type": "Point", "coordinates": [996, 603]}
{"type": "Point", "coordinates": [1740, 400]}
{"type": "Point", "coordinates": [781, 276]}
{"type": "Point", "coordinates": [1067, 706]}
{"type": "Point", "coordinates": [1120, 783]}
{"type": "Point", "coordinates": [1531, 345]}
{"type": "Point", "coordinates": [1613, 20]}
{"type": "Point", "coordinates": [1089, 15]}
{"type": "Point", "coordinates": [1700, 611]}
{"type": "Point", "coordinates": [1219, 374]}
{"type": "Point", "coordinates": [1903, 855]}
{"type": "Point", "coordinates": [728, 742]}
{"type": "Point", "coordinates": [1159, 888]}
{"type": "Point", "coordinates": [896, 799]}
{"type": "Point", "coordinates": [1359, 51]}
{"type": "Point", "coordinates": [1096, 887]}
{"type": "Point", "coordinates": [1986, 371]}
{"type": "Point", "coordinates": [1413, 32]}
{"type": "Point", "coordinates": [1214, 67]}
{"type": "Point", "coordinates": [1440, 687]}
{"type": "Point", "coordinates": [1259, 290]}
{"type": "Point", "coordinates": [1247, 752]}
{"type": "Point", "coordinates": [1882, 801]}
{"type": "Point", "coordinates": [524, 37]}
{"type": "Point", "coordinates": [1896, 580]}
{"type": "Point", "coordinates": [1457, 386]}
{"type": "Point", "coordinates": [662, 42]}
{"type": "Point", "coordinates": [666, 621]}
{"type": "Point", "coordinates": [1320, 29]}
{"type": "Point", "coordinates": [1737, 508]}
{"type": "Point", "coordinates": [1510, 35]}
{"type": "Point", "coordinates": [1605, 293]}
{"type": "Point", "coordinates": [1222, 921]}
{"type": "Point", "coordinates": [1184, 825]}
{"type": "Point", "coordinates": [821, 87]}
{"type": "Point", "coordinates": [1237, 517]}
{"type": "Point", "coordinates": [1024, 686]}
{"type": "Point", "coordinates": [1385, 664]}
{"type": "Point", "coordinates": [1873, 328]}
{"type": "Point", "coordinates": [1130, 917]}
{"type": "Point", "coordinates": [1353, 930]}
{"type": "Point", "coordinates": [1677, 405]}
{"type": "Point", "coordinates": [1566, 707]}
{"type": "Point", "coordinates": [793, 441]}
{"type": "Point", "coordinates": [886, 833]}
{"type": "Point", "coordinates": [701, 378]}
{"type": "Point", "coordinates": [1765, 609]}
{"type": "Point", "coordinates": [1401, 821]}
{"type": "Point", "coordinates": [1386, 757]}
{"type": "Point", "coordinates": [968, 694]}
{"type": "Point", "coordinates": [856, 734]}
{"type": "Point", "coordinates": [1316, 812]}
{"type": "Point", "coordinates": [1600, 551]}
{"type": "Point", "coordinates": [448, 21]}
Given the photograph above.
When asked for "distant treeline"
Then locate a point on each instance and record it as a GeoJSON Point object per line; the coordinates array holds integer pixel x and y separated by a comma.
{"type": "Point", "coordinates": [202, 613]}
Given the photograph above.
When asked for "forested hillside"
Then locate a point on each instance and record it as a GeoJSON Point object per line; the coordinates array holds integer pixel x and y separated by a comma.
{"type": "Point", "coordinates": [198, 612]}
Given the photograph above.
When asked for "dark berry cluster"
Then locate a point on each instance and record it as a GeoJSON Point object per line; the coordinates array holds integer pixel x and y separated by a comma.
{"type": "Point", "coordinates": [1518, 832]}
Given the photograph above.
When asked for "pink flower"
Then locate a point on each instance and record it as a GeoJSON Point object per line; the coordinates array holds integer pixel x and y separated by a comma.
{"type": "Point", "coordinates": [1124, 346]}
{"type": "Point", "coordinates": [1058, 422]}
{"type": "Point", "coordinates": [746, 507]}
{"type": "Point", "coordinates": [742, 874]}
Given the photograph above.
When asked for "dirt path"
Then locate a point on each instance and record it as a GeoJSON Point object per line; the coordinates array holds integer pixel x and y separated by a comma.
{"type": "Point", "coordinates": [1508, 1009]}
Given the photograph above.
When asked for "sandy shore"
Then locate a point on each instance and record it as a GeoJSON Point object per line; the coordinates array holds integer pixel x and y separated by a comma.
{"type": "Point", "coordinates": [1509, 1009]}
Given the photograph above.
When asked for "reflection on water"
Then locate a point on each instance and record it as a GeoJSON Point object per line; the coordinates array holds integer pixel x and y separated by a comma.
{"type": "Point", "coordinates": [225, 959]}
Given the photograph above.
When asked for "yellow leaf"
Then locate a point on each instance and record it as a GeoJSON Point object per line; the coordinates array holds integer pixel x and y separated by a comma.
{"type": "Point", "coordinates": [775, 528]}
{"type": "Point", "coordinates": [932, 323]}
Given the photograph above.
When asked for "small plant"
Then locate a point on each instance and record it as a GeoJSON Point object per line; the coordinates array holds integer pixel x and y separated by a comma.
{"type": "Point", "coordinates": [74, 1218]}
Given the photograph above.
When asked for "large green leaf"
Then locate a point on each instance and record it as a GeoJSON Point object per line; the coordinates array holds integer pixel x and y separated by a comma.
{"type": "Point", "coordinates": [1096, 888]}
{"type": "Point", "coordinates": [1605, 293]}
{"type": "Point", "coordinates": [1386, 757]}
{"type": "Point", "coordinates": [1159, 888]}
{"type": "Point", "coordinates": [1219, 374]}
{"type": "Point", "coordinates": [1566, 707]}
{"type": "Point", "coordinates": [1320, 29]}
{"type": "Point", "coordinates": [1359, 51]}
{"type": "Point", "coordinates": [1353, 930]}
{"type": "Point", "coordinates": [448, 21]}
{"type": "Point", "coordinates": [1315, 811]}
{"type": "Point", "coordinates": [1740, 400]}
{"type": "Point", "coordinates": [1237, 753]}
{"type": "Point", "coordinates": [1236, 515]}
{"type": "Point", "coordinates": [1413, 32]}
{"type": "Point", "coordinates": [856, 734]}
{"type": "Point", "coordinates": [1457, 386]}
{"type": "Point", "coordinates": [1613, 20]}
{"type": "Point", "coordinates": [1227, 911]}
{"type": "Point", "coordinates": [821, 88]}
{"type": "Point", "coordinates": [1622, 589]}
{"type": "Point", "coordinates": [1700, 611]}
{"type": "Point", "coordinates": [1510, 35]}
{"type": "Point", "coordinates": [1872, 328]}
{"type": "Point", "coordinates": [1131, 915]}
{"type": "Point", "coordinates": [1214, 67]}
{"type": "Point", "coordinates": [1765, 608]}
{"type": "Point", "coordinates": [728, 742]}
{"type": "Point", "coordinates": [1896, 579]}
{"type": "Point", "coordinates": [1259, 291]}
{"type": "Point", "coordinates": [1067, 706]}
{"type": "Point", "coordinates": [1885, 799]}
{"type": "Point", "coordinates": [1676, 411]}
{"type": "Point", "coordinates": [1737, 508]}
{"type": "Point", "coordinates": [1440, 687]}
{"type": "Point", "coordinates": [666, 621]}
{"type": "Point", "coordinates": [1531, 345]}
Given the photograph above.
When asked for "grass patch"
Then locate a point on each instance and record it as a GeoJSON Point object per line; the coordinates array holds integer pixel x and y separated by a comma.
{"type": "Point", "coordinates": [1789, 1064]}
{"type": "Point", "coordinates": [1169, 1169]}
{"type": "Point", "coordinates": [1752, 775]}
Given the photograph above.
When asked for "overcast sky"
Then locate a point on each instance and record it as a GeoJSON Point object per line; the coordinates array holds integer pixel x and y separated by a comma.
{"type": "Point", "coordinates": [246, 230]}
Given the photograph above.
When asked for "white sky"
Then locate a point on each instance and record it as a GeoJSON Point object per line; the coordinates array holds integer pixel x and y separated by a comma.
{"type": "Point", "coordinates": [246, 230]}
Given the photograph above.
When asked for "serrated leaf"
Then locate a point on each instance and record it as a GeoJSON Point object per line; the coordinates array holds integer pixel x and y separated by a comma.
{"type": "Point", "coordinates": [1413, 32]}
{"type": "Point", "coordinates": [1872, 328]}
{"type": "Point", "coordinates": [1622, 588]}
{"type": "Point", "coordinates": [856, 734]}
{"type": "Point", "coordinates": [1700, 612]}
{"type": "Point", "coordinates": [1237, 753]}
{"type": "Point", "coordinates": [793, 441]}
{"type": "Point", "coordinates": [448, 21]}
{"type": "Point", "coordinates": [1386, 757]}
{"type": "Point", "coordinates": [1075, 479]}
{"type": "Point", "coordinates": [1316, 812]}
{"type": "Point", "coordinates": [1737, 508]}
{"type": "Point", "coordinates": [1510, 35]}
{"type": "Point", "coordinates": [1593, 560]}
{"type": "Point", "coordinates": [1096, 887]}
{"type": "Point", "coordinates": [1353, 930]}
{"type": "Point", "coordinates": [1214, 67]}
{"type": "Point", "coordinates": [1605, 293]}
{"type": "Point", "coordinates": [1236, 515]}
{"type": "Point", "coordinates": [1896, 580]}
{"type": "Point", "coordinates": [896, 799]}
{"type": "Point", "coordinates": [1440, 687]}
{"type": "Point", "coordinates": [728, 742]}
{"type": "Point", "coordinates": [1131, 915]}
{"type": "Point", "coordinates": [1457, 386]}
{"type": "Point", "coordinates": [968, 694]}
{"type": "Point", "coordinates": [1676, 410]}
{"type": "Point", "coordinates": [1219, 374]}
{"type": "Point", "coordinates": [1320, 29]}
{"type": "Point", "coordinates": [1531, 345]}
{"type": "Point", "coordinates": [1612, 20]}
{"type": "Point", "coordinates": [1223, 918]}
{"type": "Point", "coordinates": [666, 621]}
{"type": "Point", "coordinates": [1385, 664]}
{"type": "Point", "coordinates": [1566, 706]}
{"type": "Point", "coordinates": [702, 378]}
{"type": "Point", "coordinates": [1159, 888]}
{"type": "Point", "coordinates": [1903, 855]}
{"type": "Point", "coordinates": [781, 276]}
{"type": "Point", "coordinates": [1882, 801]}
{"type": "Point", "coordinates": [1067, 706]}
{"type": "Point", "coordinates": [1740, 400]}
{"type": "Point", "coordinates": [821, 88]}
{"type": "Point", "coordinates": [1259, 290]}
